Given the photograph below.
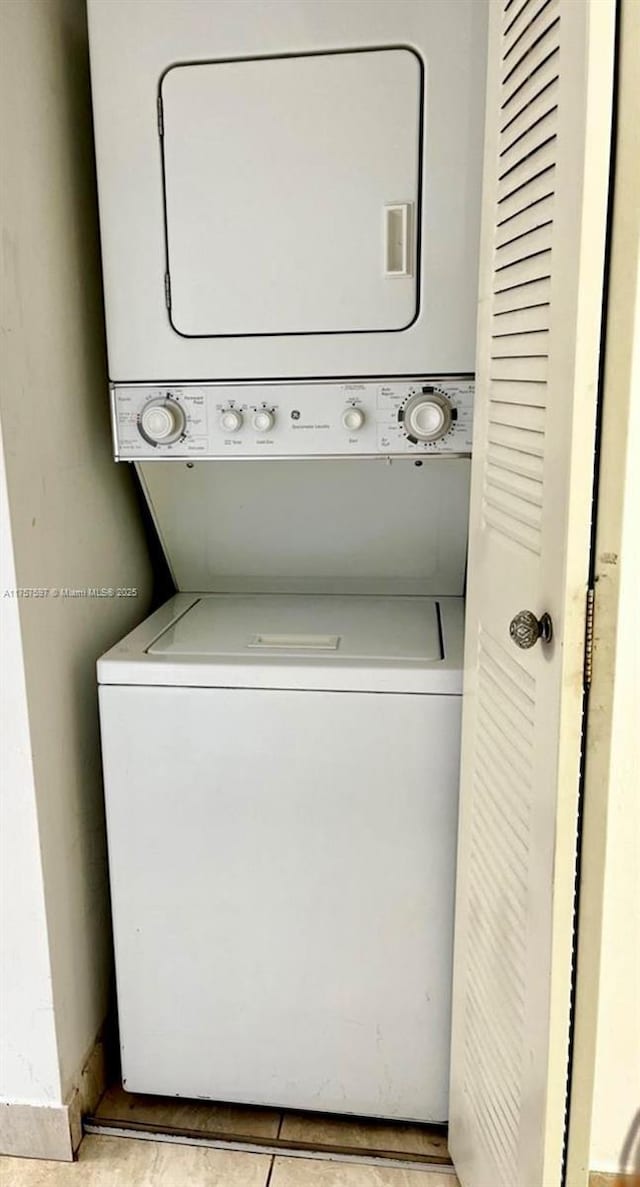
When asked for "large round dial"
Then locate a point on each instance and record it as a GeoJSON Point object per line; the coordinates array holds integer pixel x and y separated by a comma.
{"type": "Point", "coordinates": [162, 421]}
{"type": "Point", "coordinates": [427, 416]}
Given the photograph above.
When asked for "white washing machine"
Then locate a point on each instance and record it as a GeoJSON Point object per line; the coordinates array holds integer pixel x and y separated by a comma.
{"type": "Point", "coordinates": [281, 751]}
{"type": "Point", "coordinates": [281, 775]}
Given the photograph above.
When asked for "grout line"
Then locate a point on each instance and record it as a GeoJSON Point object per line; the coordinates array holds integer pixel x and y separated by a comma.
{"type": "Point", "coordinates": [273, 1156]}
{"type": "Point", "coordinates": [270, 1171]}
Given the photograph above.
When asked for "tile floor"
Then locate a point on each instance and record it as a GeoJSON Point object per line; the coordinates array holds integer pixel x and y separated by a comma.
{"type": "Point", "coordinates": [125, 1162]}
{"type": "Point", "coordinates": [344, 1131]}
{"type": "Point", "coordinates": [130, 1162]}
{"type": "Point", "coordinates": [246, 1122]}
{"type": "Point", "coordinates": [243, 1120]}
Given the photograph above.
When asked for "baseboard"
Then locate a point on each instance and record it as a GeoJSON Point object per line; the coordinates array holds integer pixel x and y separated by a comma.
{"type": "Point", "coordinates": [36, 1131]}
{"type": "Point", "coordinates": [54, 1132]}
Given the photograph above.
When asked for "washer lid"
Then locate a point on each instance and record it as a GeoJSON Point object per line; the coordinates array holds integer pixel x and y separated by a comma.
{"type": "Point", "coordinates": [331, 628]}
{"type": "Point", "coordinates": [340, 644]}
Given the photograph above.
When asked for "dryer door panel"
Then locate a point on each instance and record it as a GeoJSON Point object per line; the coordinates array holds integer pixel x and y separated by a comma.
{"type": "Point", "coordinates": [292, 193]}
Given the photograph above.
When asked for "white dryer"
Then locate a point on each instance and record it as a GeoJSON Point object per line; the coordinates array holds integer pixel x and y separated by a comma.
{"type": "Point", "coordinates": [288, 188]}
{"type": "Point", "coordinates": [281, 777]}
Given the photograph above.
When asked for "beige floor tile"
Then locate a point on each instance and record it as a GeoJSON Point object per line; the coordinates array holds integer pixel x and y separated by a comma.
{"type": "Point", "coordinates": [307, 1172]}
{"type": "Point", "coordinates": [121, 1162]}
{"type": "Point", "coordinates": [189, 1114]}
{"type": "Point", "coordinates": [608, 1179]}
{"type": "Point", "coordinates": [376, 1135]}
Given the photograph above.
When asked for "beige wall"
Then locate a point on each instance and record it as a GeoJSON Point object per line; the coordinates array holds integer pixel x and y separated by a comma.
{"type": "Point", "coordinates": [74, 523]}
{"type": "Point", "coordinates": [605, 1107]}
{"type": "Point", "coordinates": [616, 1105]}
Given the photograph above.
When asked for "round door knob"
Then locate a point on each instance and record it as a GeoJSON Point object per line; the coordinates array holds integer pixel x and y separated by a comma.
{"type": "Point", "coordinates": [231, 420]}
{"type": "Point", "coordinates": [162, 421]}
{"type": "Point", "coordinates": [525, 629]}
{"type": "Point", "coordinates": [427, 417]}
{"type": "Point", "coordinates": [353, 419]}
{"type": "Point", "coordinates": [263, 420]}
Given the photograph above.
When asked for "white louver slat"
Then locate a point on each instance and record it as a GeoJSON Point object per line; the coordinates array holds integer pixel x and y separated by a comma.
{"type": "Point", "coordinates": [544, 222]}
{"type": "Point", "coordinates": [526, 151]}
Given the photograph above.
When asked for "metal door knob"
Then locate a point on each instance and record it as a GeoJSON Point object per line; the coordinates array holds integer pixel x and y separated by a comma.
{"type": "Point", "coordinates": [525, 629]}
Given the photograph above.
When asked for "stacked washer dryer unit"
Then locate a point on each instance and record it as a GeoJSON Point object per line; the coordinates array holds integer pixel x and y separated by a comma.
{"type": "Point", "coordinates": [289, 200]}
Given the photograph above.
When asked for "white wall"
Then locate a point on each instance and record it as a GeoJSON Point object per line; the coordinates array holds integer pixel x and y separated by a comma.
{"type": "Point", "coordinates": [75, 523]}
{"type": "Point", "coordinates": [28, 1047]}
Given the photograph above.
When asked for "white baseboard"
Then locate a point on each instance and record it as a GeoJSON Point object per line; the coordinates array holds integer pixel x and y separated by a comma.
{"type": "Point", "coordinates": [36, 1131]}
{"type": "Point", "coordinates": [54, 1131]}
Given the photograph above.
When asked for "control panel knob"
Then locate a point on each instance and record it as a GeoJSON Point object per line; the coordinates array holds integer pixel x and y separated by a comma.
{"type": "Point", "coordinates": [263, 420]}
{"type": "Point", "coordinates": [353, 418]}
{"type": "Point", "coordinates": [231, 420]}
{"type": "Point", "coordinates": [427, 416]}
{"type": "Point", "coordinates": [162, 421]}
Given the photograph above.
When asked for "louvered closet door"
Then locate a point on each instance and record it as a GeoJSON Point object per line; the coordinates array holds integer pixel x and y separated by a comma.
{"type": "Point", "coordinates": [544, 214]}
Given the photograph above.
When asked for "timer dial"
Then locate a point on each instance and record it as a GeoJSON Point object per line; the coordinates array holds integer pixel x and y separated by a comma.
{"type": "Point", "coordinates": [427, 416]}
{"type": "Point", "coordinates": [162, 421]}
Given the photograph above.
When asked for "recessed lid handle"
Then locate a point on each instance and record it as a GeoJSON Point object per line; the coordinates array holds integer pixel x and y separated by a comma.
{"type": "Point", "coordinates": [295, 642]}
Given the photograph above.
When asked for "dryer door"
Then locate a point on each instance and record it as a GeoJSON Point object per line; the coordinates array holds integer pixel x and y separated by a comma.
{"type": "Point", "coordinates": [292, 193]}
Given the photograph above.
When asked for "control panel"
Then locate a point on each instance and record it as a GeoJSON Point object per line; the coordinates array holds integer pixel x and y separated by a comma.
{"type": "Point", "coordinates": [370, 418]}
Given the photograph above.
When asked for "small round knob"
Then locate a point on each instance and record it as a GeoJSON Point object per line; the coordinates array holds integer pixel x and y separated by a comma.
{"type": "Point", "coordinates": [231, 420]}
{"type": "Point", "coordinates": [353, 419]}
{"type": "Point", "coordinates": [427, 417]}
{"type": "Point", "coordinates": [263, 420]}
{"type": "Point", "coordinates": [162, 421]}
{"type": "Point", "coordinates": [525, 629]}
